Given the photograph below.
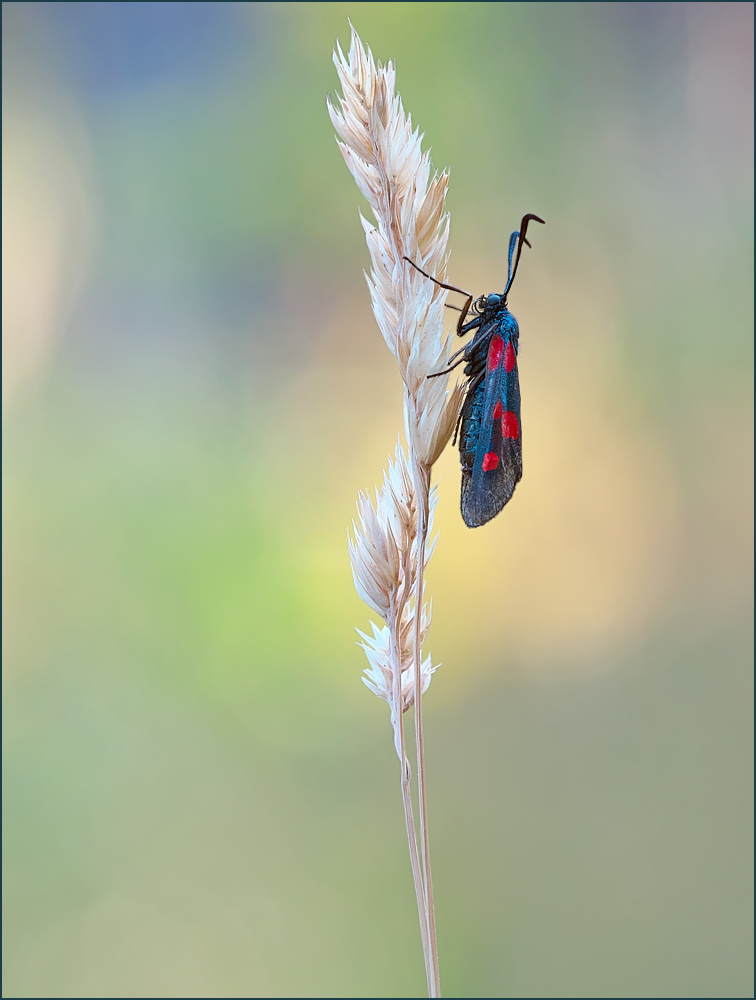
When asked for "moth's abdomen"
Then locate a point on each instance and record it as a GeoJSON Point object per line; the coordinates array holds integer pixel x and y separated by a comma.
{"type": "Point", "coordinates": [469, 431]}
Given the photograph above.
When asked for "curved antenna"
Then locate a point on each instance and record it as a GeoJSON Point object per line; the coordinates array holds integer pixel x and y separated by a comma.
{"type": "Point", "coordinates": [520, 238]}
{"type": "Point", "coordinates": [512, 241]}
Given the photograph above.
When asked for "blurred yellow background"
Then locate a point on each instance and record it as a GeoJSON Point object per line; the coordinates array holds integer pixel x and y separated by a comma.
{"type": "Point", "coordinates": [201, 798]}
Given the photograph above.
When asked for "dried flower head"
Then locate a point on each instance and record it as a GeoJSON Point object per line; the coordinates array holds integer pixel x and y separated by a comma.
{"type": "Point", "coordinates": [384, 565]}
{"type": "Point", "coordinates": [389, 551]}
{"type": "Point", "coordinates": [385, 156]}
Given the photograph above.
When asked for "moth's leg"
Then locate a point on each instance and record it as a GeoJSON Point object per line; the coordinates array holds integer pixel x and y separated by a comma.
{"type": "Point", "coordinates": [456, 426]}
{"type": "Point", "coordinates": [471, 325]}
{"type": "Point", "coordinates": [462, 315]}
{"type": "Point", "coordinates": [450, 369]}
{"type": "Point", "coordinates": [457, 353]}
{"type": "Point", "coordinates": [449, 288]}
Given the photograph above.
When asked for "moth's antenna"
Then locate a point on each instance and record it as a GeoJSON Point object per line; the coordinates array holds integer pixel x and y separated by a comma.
{"type": "Point", "coordinates": [519, 237]}
{"type": "Point", "coordinates": [512, 241]}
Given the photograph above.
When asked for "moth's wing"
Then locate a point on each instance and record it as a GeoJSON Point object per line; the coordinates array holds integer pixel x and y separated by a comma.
{"type": "Point", "coordinates": [497, 467]}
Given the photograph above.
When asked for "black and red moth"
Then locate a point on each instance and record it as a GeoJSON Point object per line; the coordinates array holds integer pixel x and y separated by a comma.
{"type": "Point", "coordinates": [489, 425]}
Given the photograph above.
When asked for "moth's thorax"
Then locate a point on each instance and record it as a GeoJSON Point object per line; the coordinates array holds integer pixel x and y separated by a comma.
{"type": "Point", "coordinates": [497, 324]}
{"type": "Point", "coordinates": [508, 324]}
{"type": "Point", "coordinates": [502, 320]}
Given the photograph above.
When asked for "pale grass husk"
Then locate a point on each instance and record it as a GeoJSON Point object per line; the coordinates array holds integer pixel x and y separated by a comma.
{"type": "Point", "coordinates": [389, 551]}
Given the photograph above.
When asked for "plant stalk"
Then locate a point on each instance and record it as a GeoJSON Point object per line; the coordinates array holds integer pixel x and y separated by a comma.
{"type": "Point", "coordinates": [421, 476]}
{"type": "Point", "coordinates": [406, 779]}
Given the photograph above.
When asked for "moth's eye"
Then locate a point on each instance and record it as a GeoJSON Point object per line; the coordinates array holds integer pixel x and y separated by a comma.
{"type": "Point", "coordinates": [493, 301]}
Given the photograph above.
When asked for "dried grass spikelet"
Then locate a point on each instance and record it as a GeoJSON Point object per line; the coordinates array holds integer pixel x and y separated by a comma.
{"type": "Point", "coordinates": [390, 551]}
{"type": "Point", "coordinates": [384, 565]}
{"type": "Point", "coordinates": [384, 155]}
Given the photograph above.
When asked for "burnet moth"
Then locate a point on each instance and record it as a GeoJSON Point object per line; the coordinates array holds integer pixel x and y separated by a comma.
{"type": "Point", "coordinates": [489, 426]}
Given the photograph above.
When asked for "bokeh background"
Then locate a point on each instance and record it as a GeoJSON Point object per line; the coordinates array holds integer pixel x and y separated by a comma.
{"type": "Point", "coordinates": [201, 798]}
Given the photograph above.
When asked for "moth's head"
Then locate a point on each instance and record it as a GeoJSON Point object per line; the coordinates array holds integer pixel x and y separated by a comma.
{"type": "Point", "coordinates": [489, 303]}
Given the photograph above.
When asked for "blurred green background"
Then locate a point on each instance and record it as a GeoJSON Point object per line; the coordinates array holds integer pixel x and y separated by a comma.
{"type": "Point", "coordinates": [201, 798]}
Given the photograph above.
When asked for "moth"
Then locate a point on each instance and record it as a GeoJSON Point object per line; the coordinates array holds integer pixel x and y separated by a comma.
{"type": "Point", "coordinates": [489, 427]}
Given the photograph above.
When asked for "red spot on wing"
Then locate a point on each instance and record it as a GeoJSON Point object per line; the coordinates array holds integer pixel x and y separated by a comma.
{"type": "Point", "coordinates": [510, 425]}
{"type": "Point", "coordinates": [510, 359]}
{"type": "Point", "coordinates": [495, 352]}
{"type": "Point", "coordinates": [497, 409]}
{"type": "Point", "coordinates": [490, 461]}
